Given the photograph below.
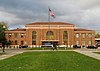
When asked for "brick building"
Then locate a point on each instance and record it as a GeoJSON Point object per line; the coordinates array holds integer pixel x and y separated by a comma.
{"type": "Point", "coordinates": [38, 33]}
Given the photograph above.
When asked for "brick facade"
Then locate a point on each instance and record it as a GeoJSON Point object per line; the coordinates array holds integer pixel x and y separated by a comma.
{"type": "Point", "coordinates": [35, 34]}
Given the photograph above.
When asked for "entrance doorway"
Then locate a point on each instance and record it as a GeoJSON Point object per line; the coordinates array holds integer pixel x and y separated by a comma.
{"type": "Point", "coordinates": [49, 43]}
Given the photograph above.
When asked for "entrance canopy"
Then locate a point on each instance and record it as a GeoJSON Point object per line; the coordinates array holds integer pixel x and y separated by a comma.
{"type": "Point", "coordinates": [45, 42]}
{"type": "Point", "coordinates": [49, 40]}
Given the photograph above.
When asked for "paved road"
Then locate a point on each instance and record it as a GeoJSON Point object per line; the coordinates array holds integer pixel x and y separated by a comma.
{"type": "Point", "coordinates": [88, 52]}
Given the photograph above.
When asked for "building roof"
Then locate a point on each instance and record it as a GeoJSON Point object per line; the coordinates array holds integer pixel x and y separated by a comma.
{"type": "Point", "coordinates": [18, 29]}
{"type": "Point", "coordinates": [51, 23]}
{"type": "Point", "coordinates": [81, 29]}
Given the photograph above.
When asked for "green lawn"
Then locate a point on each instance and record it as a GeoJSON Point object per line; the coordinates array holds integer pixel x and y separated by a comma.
{"type": "Point", "coordinates": [50, 61]}
{"type": "Point", "coordinates": [97, 52]}
{"type": "Point", "coordinates": [2, 53]}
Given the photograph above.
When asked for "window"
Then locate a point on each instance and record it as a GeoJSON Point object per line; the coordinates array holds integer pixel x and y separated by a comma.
{"type": "Point", "coordinates": [77, 35]}
{"type": "Point", "coordinates": [77, 42]}
{"type": "Point", "coordinates": [89, 35]}
{"type": "Point", "coordinates": [16, 35]}
{"type": "Point", "coordinates": [49, 35]}
{"type": "Point", "coordinates": [22, 35]}
{"type": "Point", "coordinates": [90, 42]}
{"type": "Point", "coordinates": [9, 35]}
{"type": "Point", "coordinates": [83, 43]}
{"type": "Point", "coordinates": [22, 42]}
{"type": "Point", "coordinates": [65, 37]}
{"type": "Point", "coordinates": [34, 38]}
{"type": "Point", "coordinates": [83, 35]}
{"type": "Point", "coordinates": [15, 42]}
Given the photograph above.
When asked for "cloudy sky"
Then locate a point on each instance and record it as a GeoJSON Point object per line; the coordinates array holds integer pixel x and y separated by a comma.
{"type": "Point", "coordinates": [82, 13]}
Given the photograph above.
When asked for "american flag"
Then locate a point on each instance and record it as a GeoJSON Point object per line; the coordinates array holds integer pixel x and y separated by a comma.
{"type": "Point", "coordinates": [51, 13]}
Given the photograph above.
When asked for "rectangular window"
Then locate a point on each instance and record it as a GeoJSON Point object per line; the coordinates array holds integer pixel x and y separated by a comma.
{"type": "Point", "coordinates": [90, 42]}
{"type": "Point", "coordinates": [83, 43]}
{"type": "Point", "coordinates": [83, 35]}
{"type": "Point", "coordinates": [89, 35]}
{"type": "Point", "coordinates": [77, 42]}
{"type": "Point", "coordinates": [22, 42]}
{"type": "Point", "coordinates": [16, 35]}
{"type": "Point", "coordinates": [77, 35]}
{"type": "Point", "coordinates": [34, 42]}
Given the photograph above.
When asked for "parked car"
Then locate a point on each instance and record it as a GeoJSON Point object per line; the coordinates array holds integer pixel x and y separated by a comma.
{"type": "Point", "coordinates": [23, 46]}
{"type": "Point", "coordinates": [76, 46]}
{"type": "Point", "coordinates": [92, 47]}
{"type": "Point", "coordinates": [98, 44]}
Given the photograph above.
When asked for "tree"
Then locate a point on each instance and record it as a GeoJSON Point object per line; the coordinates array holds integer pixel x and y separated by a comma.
{"type": "Point", "coordinates": [3, 27]}
{"type": "Point", "coordinates": [97, 35]}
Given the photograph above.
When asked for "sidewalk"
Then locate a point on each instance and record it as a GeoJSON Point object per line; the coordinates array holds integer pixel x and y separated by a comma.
{"type": "Point", "coordinates": [10, 52]}
{"type": "Point", "coordinates": [89, 52]}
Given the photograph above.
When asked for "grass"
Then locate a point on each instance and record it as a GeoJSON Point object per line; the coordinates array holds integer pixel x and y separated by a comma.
{"type": "Point", "coordinates": [50, 61]}
{"type": "Point", "coordinates": [97, 52]}
{"type": "Point", "coordinates": [2, 53]}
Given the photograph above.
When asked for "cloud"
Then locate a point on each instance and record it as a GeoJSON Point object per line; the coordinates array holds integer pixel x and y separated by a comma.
{"type": "Point", "coordinates": [83, 13]}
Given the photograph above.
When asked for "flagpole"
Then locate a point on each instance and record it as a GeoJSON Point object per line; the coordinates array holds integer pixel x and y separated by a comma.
{"type": "Point", "coordinates": [49, 22]}
{"type": "Point", "coordinates": [48, 15]}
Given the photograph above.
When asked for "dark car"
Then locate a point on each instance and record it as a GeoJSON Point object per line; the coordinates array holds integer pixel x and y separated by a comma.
{"type": "Point", "coordinates": [92, 47]}
{"type": "Point", "coordinates": [98, 44]}
{"type": "Point", "coordinates": [23, 46]}
{"type": "Point", "coordinates": [76, 46]}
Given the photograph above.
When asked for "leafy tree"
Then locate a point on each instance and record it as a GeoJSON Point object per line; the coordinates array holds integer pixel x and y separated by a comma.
{"type": "Point", "coordinates": [97, 35]}
{"type": "Point", "coordinates": [3, 27]}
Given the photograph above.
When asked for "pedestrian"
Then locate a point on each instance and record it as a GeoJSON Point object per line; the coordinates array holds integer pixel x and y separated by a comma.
{"type": "Point", "coordinates": [53, 47]}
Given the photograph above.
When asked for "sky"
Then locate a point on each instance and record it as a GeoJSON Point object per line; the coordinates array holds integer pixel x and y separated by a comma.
{"type": "Point", "coordinates": [82, 13]}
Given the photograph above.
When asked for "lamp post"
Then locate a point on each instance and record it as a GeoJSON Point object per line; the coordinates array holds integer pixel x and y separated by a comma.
{"type": "Point", "coordinates": [3, 40]}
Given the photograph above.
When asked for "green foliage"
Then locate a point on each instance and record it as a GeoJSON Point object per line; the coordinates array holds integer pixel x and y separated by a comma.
{"type": "Point", "coordinates": [97, 35]}
{"type": "Point", "coordinates": [3, 27]}
{"type": "Point", "coordinates": [50, 61]}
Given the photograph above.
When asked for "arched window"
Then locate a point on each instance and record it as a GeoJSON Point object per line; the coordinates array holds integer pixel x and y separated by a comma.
{"type": "Point", "coordinates": [65, 37]}
{"type": "Point", "coordinates": [34, 38]}
{"type": "Point", "coordinates": [49, 35]}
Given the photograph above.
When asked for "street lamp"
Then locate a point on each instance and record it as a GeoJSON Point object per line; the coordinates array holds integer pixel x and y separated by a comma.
{"type": "Point", "coordinates": [4, 36]}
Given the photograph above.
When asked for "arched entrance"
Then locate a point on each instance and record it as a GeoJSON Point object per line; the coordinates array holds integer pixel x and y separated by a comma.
{"type": "Point", "coordinates": [50, 39]}
{"type": "Point", "coordinates": [49, 35]}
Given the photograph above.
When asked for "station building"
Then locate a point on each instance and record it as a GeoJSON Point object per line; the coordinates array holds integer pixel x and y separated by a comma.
{"type": "Point", "coordinates": [39, 33]}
